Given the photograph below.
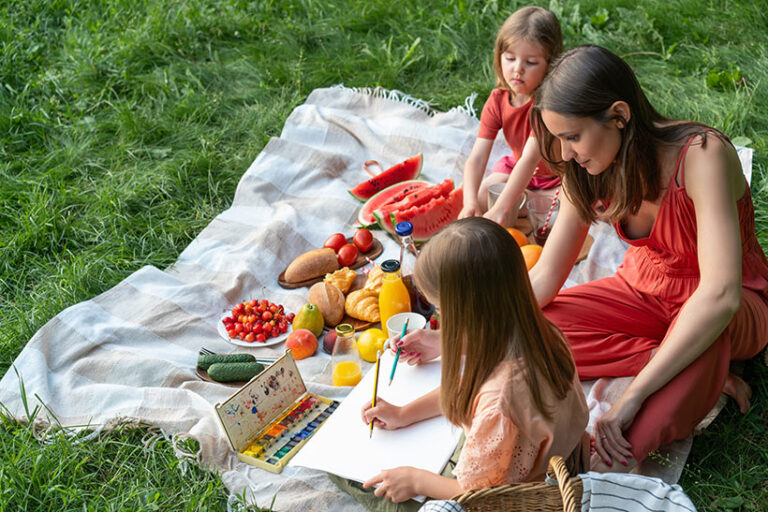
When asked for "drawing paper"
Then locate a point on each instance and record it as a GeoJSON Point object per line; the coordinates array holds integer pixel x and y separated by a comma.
{"type": "Point", "coordinates": [342, 446]}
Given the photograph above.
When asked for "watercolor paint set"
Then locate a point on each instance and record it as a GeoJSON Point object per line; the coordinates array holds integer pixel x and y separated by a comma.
{"type": "Point", "coordinates": [269, 419]}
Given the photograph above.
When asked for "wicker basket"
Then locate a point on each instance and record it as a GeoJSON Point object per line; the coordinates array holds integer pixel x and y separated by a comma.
{"type": "Point", "coordinates": [539, 496]}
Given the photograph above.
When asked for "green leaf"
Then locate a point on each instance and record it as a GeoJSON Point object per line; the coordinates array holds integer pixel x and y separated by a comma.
{"type": "Point", "coordinates": [600, 18]}
{"type": "Point", "coordinates": [741, 140]}
{"type": "Point", "coordinates": [729, 502]}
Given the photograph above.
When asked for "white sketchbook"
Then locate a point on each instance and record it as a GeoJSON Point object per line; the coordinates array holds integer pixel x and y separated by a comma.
{"type": "Point", "coordinates": [342, 446]}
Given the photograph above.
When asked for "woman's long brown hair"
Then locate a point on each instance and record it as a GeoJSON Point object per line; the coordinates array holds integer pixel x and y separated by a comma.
{"type": "Point", "coordinates": [488, 313]}
{"type": "Point", "coordinates": [585, 82]}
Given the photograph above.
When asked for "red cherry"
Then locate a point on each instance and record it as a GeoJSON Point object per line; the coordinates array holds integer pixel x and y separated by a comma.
{"type": "Point", "coordinates": [257, 328]}
{"type": "Point", "coordinates": [267, 315]}
{"type": "Point", "coordinates": [250, 337]}
{"type": "Point", "coordinates": [261, 338]}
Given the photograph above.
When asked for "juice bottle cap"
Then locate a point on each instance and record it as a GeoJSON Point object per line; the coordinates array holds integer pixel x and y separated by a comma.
{"type": "Point", "coordinates": [404, 228]}
{"type": "Point", "coordinates": [390, 266]}
{"type": "Point", "coordinates": [344, 330]}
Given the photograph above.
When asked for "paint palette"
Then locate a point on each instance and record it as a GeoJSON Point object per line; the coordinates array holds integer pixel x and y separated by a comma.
{"type": "Point", "coordinates": [269, 419]}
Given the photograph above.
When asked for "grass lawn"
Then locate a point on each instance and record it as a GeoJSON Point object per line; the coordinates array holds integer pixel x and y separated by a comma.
{"type": "Point", "coordinates": [125, 127]}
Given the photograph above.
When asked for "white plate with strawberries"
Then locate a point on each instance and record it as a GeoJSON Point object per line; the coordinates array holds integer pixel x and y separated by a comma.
{"type": "Point", "coordinates": [255, 323]}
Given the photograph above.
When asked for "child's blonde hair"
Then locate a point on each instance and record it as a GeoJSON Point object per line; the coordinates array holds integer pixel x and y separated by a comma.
{"type": "Point", "coordinates": [534, 24]}
{"type": "Point", "coordinates": [475, 273]}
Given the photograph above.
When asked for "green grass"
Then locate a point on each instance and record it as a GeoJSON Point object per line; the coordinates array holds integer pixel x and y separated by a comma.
{"type": "Point", "coordinates": [125, 126]}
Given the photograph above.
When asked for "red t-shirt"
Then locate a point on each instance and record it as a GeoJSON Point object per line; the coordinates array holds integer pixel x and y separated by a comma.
{"type": "Point", "coordinates": [499, 114]}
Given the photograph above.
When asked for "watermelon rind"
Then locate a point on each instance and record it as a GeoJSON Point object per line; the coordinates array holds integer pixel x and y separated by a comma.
{"type": "Point", "coordinates": [409, 169]}
{"type": "Point", "coordinates": [365, 216]}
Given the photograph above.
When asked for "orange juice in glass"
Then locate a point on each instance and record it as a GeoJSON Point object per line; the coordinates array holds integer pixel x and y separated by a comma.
{"type": "Point", "coordinates": [346, 373]}
{"type": "Point", "coordinates": [345, 359]}
{"type": "Point", "coordinates": [393, 297]}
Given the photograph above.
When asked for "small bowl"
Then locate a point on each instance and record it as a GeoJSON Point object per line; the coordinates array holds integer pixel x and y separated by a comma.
{"type": "Point", "coordinates": [395, 323]}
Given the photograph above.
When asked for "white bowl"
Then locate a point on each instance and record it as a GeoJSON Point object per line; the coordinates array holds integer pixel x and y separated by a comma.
{"type": "Point", "coordinates": [395, 323]}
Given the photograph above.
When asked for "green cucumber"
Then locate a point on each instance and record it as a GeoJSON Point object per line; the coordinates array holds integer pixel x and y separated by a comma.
{"type": "Point", "coordinates": [204, 361]}
{"type": "Point", "coordinates": [230, 372]}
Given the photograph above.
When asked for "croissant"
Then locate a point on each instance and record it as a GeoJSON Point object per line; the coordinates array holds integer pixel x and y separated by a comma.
{"type": "Point", "coordinates": [363, 304]}
{"type": "Point", "coordinates": [342, 278]}
{"type": "Point", "coordinates": [375, 277]}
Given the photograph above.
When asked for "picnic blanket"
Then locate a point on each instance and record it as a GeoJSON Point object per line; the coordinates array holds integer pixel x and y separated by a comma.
{"type": "Point", "coordinates": [129, 354]}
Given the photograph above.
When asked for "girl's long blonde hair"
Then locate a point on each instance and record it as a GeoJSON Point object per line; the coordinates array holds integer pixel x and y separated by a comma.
{"type": "Point", "coordinates": [534, 24]}
{"type": "Point", "coordinates": [475, 272]}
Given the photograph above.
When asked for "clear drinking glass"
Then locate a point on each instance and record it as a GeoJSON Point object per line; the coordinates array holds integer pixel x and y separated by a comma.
{"type": "Point", "coordinates": [542, 211]}
{"type": "Point", "coordinates": [494, 191]}
{"type": "Point", "coordinates": [345, 359]}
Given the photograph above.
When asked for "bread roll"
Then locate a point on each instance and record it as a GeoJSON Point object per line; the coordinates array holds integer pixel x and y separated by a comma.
{"type": "Point", "coordinates": [309, 265]}
{"type": "Point", "coordinates": [329, 300]}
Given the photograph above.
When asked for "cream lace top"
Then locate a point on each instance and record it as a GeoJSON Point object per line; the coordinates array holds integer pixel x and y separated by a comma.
{"type": "Point", "coordinates": [509, 440]}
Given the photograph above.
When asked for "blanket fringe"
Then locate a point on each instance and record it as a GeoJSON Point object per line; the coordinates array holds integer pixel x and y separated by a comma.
{"type": "Point", "coordinates": [467, 109]}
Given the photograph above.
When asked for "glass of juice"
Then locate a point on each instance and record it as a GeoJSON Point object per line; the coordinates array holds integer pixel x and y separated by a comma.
{"type": "Point", "coordinates": [542, 210]}
{"type": "Point", "coordinates": [345, 360]}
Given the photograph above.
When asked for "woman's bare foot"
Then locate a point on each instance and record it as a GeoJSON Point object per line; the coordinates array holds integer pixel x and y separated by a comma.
{"type": "Point", "coordinates": [736, 388]}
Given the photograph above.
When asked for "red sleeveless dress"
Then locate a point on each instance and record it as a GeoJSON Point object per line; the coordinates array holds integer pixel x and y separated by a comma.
{"type": "Point", "coordinates": [614, 323]}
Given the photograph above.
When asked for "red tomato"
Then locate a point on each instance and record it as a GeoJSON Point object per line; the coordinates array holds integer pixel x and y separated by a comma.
{"type": "Point", "coordinates": [363, 240]}
{"type": "Point", "coordinates": [347, 255]}
{"type": "Point", "coordinates": [335, 241]}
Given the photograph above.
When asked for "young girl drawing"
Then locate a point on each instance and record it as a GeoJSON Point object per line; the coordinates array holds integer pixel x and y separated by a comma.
{"type": "Point", "coordinates": [508, 377]}
{"type": "Point", "coordinates": [692, 292]}
{"type": "Point", "coordinates": [527, 42]}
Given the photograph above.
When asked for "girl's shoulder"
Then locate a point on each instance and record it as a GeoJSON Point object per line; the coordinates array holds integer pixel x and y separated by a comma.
{"type": "Point", "coordinates": [498, 96]}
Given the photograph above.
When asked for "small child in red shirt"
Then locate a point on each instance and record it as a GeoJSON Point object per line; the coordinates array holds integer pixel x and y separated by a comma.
{"type": "Point", "coordinates": [528, 41]}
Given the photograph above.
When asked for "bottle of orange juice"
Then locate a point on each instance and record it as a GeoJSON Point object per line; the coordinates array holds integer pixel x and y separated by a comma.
{"type": "Point", "coordinates": [345, 359]}
{"type": "Point", "coordinates": [393, 297]}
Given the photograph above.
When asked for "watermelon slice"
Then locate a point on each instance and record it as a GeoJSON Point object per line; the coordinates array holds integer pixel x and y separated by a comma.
{"type": "Point", "coordinates": [427, 219]}
{"type": "Point", "coordinates": [392, 194]}
{"type": "Point", "coordinates": [416, 198]}
{"type": "Point", "coordinates": [407, 170]}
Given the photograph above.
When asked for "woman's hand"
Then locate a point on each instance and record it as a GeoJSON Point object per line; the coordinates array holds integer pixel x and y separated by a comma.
{"type": "Point", "coordinates": [417, 346]}
{"type": "Point", "coordinates": [610, 443]}
{"type": "Point", "coordinates": [397, 485]}
{"type": "Point", "coordinates": [385, 415]}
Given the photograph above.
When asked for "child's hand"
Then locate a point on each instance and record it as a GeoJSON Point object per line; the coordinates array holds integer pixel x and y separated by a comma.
{"type": "Point", "coordinates": [470, 210]}
{"type": "Point", "coordinates": [384, 415]}
{"type": "Point", "coordinates": [397, 485]}
{"type": "Point", "coordinates": [495, 214]}
{"type": "Point", "coordinates": [417, 346]}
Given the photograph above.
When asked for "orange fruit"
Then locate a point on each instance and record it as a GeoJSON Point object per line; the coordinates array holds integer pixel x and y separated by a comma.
{"type": "Point", "coordinates": [531, 253]}
{"type": "Point", "coordinates": [519, 236]}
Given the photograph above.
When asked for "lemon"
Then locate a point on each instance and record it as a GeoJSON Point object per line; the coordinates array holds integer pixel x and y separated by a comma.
{"type": "Point", "coordinates": [369, 342]}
